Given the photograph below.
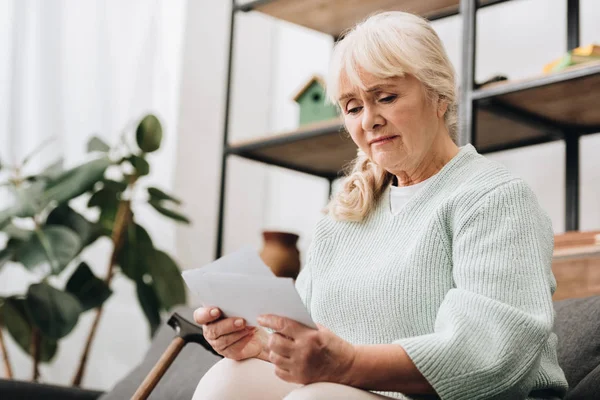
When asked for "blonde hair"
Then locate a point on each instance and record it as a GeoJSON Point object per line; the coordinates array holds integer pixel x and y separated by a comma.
{"type": "Point", "coordinates": [386, 45]}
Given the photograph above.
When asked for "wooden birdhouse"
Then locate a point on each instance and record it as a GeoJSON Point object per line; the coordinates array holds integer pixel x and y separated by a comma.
{"type": "Point", "coordinates": [311, 99]}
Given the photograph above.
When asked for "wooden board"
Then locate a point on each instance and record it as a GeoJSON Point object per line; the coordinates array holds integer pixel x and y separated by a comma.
{"type": "Point", "coordinates": [578, 276]}
{"type": "Point", "coordinates": [576, 264]}
{"type": "Point", "coordinates": [569, 240]}
{"type": "Point", "coordinates": [568, 100]}
{"type": "Point", "coordinates": [321, 148]}
{"type": "Point", "coordinates": [335, 16]}
{"type": "Point", "coordinates": [574, 102]}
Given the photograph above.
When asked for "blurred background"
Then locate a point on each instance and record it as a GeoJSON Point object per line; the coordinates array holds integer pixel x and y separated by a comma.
{"type": "Point", "coordinates": [73, 69]}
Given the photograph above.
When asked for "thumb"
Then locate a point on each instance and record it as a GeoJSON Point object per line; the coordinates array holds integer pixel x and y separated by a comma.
{"type": "Point", "coordinates": [322, 328]}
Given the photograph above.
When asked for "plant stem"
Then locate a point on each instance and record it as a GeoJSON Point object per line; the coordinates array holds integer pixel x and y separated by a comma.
{"type": "Point", "coordinates": [7, 367]}
{"type": "Point", "coordinates": [121, 223]}
{"type": "Point", "coordinates": [35, 352]}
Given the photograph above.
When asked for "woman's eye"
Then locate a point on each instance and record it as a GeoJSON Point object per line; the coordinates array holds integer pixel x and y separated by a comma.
{"type": "Point", "coordinates": [354, 110]}
{"type": "Point", "coordinates": [388, 99]}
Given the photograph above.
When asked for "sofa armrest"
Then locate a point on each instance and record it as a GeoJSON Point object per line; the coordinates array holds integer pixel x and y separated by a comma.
{"type": "Point", "coordinates": [21, 390]}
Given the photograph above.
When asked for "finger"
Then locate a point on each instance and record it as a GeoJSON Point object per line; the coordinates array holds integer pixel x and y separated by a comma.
{"type": "Point", "coordinates": [222, 327]}
{"type": "Point", "coordinates": [204, 315]}
{"type": "Point", "coordinates": [225, 341]}
{"type": "Point", "coordinates": [284, 375]}
{"type": "Point", "coordinates": [280, 362]}
{"type": "Point", "coordinates": [285, 326]}
{"type": "Point", "coordinates": [243, 348]}
{"type": "Point", "coordinates": [280, 345]}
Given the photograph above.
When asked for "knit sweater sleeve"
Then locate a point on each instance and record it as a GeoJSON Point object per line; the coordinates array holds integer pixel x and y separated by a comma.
{"type": "Point", "coordinates": [304, 279]}
{"type": "Point", "coordinates": [490, 329]}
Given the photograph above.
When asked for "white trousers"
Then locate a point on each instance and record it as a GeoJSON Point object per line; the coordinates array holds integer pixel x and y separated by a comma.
{"type": "Point", "coordinates": [255, 379]}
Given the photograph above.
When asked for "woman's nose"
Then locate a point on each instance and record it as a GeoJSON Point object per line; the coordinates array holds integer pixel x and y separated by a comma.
{"type": "Point", "coordinates": [371, 119]}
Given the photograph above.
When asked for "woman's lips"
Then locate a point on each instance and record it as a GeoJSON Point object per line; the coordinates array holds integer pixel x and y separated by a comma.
{"type": "Point", "coordinates": [383, 141]}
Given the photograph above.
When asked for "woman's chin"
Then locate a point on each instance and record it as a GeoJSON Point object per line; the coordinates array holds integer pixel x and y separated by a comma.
{"type": "Point", "coordinates": [387, 159]}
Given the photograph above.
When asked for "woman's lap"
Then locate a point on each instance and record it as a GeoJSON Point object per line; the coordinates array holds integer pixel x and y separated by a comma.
{"type": "Point", "coordinates": [255, 379]}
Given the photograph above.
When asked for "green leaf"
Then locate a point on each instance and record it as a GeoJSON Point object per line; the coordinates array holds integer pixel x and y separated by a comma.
{"type": "Point", "coordinates": [17, 322]}
{"type": "Point", "coordinates": [103, 198]}
{"type": "Point", "coordinates": [167, 279]}
{"type": "Point", "coordinates": [114, 186]}
{"type": "Point", "coordinates": [90, 290]}
{"type": "Point", "coordinates": [26, 202]}
{"type": "Point", "coordinates": [140, 164]}
{"type": "Point", "coordinates": [51, 172]}
{"type": "Point", "coordinates": [158, 195]}
{"type": "Point", "coordinates": [17, 233]}
{"type": "Point", "coordinates": [137, 245]}
{"type": "Point", "coordinates": [59, 245]}
{"type": "Point", "coordinates": [30, 199]}
{"type": "Point", "coordinates": [54, 170]}
{"type": "Point", "coordinates": [63, 215]}
{"type": "Point", "coordinates": [149, 134]}
{"type": "Point", "coordinates": [18, 325]}
{"type": "Point", "coordinates": [8, 253]}
{"type": "Point", "coordinates": [169, 213]}
{"type": "Point", "coordinates": [108, 201]}
{"type": "Point", "coordinates": [76, 181]}
{"type": "Point", "coordinates": [97, 144]}
{"type": "Point", "coordinates": [53, 311]}
{"type": "Point", "coordinates": [48, 349]}
{"type": "Point", "coordinates": [150, 304]}
{"type": "Point", "coordinates": [5, 256]}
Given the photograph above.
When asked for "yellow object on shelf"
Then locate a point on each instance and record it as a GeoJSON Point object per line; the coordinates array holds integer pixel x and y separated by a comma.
{"type": "Point", "coordinates": [576, 56]}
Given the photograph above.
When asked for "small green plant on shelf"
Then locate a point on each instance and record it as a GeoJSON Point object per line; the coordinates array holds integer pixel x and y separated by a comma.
{"type": "Point", "coordinates": [46, 236]}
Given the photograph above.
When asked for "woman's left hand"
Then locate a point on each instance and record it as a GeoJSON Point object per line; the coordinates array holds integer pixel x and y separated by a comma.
{"type": "Point", "coordinates": [305, 355]}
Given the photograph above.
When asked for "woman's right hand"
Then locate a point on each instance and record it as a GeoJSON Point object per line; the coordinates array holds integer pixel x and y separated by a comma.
{"type": "Point", "coordinates": [231, 337]}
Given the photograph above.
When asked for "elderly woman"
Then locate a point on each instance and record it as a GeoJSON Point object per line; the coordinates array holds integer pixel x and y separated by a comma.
{"type": "Point", "coordinates": [429, 277]}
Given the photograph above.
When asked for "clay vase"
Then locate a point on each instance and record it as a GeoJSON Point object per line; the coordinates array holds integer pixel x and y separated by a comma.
{"type": "Point", "coordinates": [280, 253]}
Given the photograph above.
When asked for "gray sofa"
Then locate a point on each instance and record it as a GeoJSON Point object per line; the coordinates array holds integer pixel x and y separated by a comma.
{"type": "Point", "coordinates": [577, 326]}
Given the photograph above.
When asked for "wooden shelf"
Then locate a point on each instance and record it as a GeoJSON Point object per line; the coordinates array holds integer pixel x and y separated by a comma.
{"type": "Point", "coordinates": [335, 16]}
{"type": "Point", "coordinates": [320, 149]}
{"type": "Point", "coordinates": [537, 110]}
{"type": "Point", "coordinates": [509, 115]}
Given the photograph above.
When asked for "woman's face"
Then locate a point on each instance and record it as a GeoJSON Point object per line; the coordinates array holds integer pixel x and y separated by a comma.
{"type": "Point", "coordinates": [393, 121]}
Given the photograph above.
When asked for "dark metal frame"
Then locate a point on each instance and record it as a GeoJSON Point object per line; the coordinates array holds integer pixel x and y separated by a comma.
{"type": "Point", "coordinates": [470, 100]}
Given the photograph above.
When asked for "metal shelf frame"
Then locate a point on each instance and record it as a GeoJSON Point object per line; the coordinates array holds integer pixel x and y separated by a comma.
{"type": "Point", "coordinates": [471, 100]}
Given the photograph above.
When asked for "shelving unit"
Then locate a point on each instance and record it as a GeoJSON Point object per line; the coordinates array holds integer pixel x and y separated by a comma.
{"type": "Point", "coordinates": [499, 116]}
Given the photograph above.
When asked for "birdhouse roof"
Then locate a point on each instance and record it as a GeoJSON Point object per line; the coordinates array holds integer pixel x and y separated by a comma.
{"type": "Point", "coordinates": [314, 78]}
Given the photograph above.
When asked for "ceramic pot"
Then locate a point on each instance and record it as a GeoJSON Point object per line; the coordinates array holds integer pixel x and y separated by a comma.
{"type": "Point", "coordinates": [280, 253]}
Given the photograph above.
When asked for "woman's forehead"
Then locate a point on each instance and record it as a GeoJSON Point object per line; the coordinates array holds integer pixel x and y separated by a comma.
{"type": "Point", "coordinates": [365, 83]}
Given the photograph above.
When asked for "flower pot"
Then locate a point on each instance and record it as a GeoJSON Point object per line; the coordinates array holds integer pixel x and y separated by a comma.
{"type": "Point", "coordinates": [280, 253]}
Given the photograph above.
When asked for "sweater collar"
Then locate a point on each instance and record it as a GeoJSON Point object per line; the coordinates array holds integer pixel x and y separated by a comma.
{"type": "Point", "coordinates": [465, 153]}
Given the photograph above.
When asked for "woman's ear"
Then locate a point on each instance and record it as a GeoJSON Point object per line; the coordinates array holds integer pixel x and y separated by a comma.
{"type": "Point", "coordinates": [442, 107]}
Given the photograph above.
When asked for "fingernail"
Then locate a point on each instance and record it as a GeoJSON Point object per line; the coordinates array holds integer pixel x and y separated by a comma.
{"type": "Point", "coordinates": [214, 312]}
{"type": "Point", "coordinates": [238, 322]}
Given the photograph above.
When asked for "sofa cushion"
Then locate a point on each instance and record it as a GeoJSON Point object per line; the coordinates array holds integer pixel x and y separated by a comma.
{"type": "Point", "coordinates": [577, 326]}
{"type": "Point", "coordinates": [180, 380]}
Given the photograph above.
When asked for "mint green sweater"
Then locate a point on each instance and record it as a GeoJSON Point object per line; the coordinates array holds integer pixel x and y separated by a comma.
{"type": "Point", "coordinates": [461, 279]}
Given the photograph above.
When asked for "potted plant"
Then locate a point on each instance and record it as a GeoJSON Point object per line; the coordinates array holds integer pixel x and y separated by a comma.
{"type": "Point", "coordinates": [45, 235]}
